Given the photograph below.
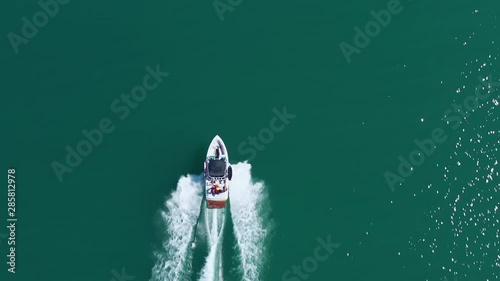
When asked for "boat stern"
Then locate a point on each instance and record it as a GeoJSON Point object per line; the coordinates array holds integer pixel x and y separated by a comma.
{"type": "Point", "coordinates": [216, 204]}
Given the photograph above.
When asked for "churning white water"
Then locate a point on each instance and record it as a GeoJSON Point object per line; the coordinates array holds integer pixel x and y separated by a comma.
{"type": "Point", "coordinates": [180, 217]}
{"type": "Point", "coordinates": [251, 224]}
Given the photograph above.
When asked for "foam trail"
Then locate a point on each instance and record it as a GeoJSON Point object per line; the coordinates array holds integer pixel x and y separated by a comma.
{"type": "Point", "coordinates": [214, 222]}
{"type": "Point", "coordinates": [251, 225]}
{"type": "Point", "coordinates": [179, 217]}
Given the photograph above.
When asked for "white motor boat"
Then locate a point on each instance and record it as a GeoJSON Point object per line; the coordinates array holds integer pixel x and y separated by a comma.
{"type": "Point", "coordinates": [217, 173]}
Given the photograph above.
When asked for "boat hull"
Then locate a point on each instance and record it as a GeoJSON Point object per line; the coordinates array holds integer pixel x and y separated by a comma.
{"type": "Point", "coordinates": [216, 183]}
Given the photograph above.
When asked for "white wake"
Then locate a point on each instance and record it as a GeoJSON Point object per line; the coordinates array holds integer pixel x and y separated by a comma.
{"type": "Point", "coordinates": [251, 225]}
{"type": "Point", "coordinates": [248, 203]}
{"type": "Point", "coordinates": [179, 218]}
{"type": "Point", "coordinates": [214, 223]}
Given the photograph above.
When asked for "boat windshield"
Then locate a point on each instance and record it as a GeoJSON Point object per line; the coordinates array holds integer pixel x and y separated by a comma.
{"type": "Point", "coordinates": [216, 168]}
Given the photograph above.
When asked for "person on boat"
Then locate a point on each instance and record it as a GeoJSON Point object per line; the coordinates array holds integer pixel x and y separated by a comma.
{"type": "Point", "coordinates": [215, 189]}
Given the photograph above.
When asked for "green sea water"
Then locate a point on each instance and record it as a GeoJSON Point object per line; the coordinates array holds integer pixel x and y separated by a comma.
{"type": "Point", "coordinates": [234, 69]}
